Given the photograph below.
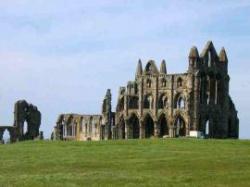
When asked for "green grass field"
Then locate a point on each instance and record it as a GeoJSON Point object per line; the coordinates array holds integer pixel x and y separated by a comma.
{"type": "Point", "coordinates": [169, 162]}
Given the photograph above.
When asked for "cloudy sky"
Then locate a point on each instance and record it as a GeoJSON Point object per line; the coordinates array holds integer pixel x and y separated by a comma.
{"type": "Point", "coordinates": [62, 55]}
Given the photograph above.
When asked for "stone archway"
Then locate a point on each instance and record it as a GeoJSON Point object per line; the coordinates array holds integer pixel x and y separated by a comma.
{"type": "Point", "coordinates": [8, 133]}
{"type": "Point", "coordinates": [180, 126]}
{"type": "Point", "coordinates": [6, 137]}
{"type": "Point", "coordinates": [149, 126]}
{"type": "Point", "coordinates": [134, 127]}
{"type": "Point", "coordinates": [163, 126]}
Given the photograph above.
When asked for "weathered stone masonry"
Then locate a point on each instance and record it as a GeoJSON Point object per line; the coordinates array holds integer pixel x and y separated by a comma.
{"type": "Point", "coordinates": [23, 112]}
{"type": "Point", "coordinates": [157, 104]}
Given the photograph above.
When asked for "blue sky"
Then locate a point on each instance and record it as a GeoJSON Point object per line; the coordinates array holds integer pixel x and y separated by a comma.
{"type": "Point", "coordinates": [62, 55]}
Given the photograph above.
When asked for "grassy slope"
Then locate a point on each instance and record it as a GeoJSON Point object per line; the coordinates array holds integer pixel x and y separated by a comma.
{"type": "Point", "coordinates": [172, 162]}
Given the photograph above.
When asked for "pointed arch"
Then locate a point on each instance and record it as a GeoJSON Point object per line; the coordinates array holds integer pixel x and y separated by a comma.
{"type": "Point", "coordinates": [151, 68]}
{"type": "Point", "coordinates": [163, 101]}
{"type": "Point", "coordinates": [163, 125]}
{"type": "Point", "coordinates": [163, 82]}
{"type": "Point", "coordinates": [180, 126]}
{"type": "Point", "coordinates": [6, 136]}
{"type": "Point", "coordinates": [133, 102]}
{"type": "Point", "coordinates": [134, 126]}
{"type": "Point", "coordinates": [179, 82]}
{"type": "Point", "coordinates": [179, 101]}
{"type": "Point", "coordinates": [209, 59]}
{"type": "Point", "coordinates": [149, 126]}
{"type": "Point", "coordinates": [148, 102]}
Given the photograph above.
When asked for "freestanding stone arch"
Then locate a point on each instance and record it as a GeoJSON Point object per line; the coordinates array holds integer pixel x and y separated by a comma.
{"type": "Point", "coordinates": [23, 112]}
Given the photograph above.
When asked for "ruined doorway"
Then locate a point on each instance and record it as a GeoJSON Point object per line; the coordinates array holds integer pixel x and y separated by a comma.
{"type": "Point", "coordinates": [149, 126]}
{"type": "Point", "coordinates": [6, 136]}
{"type": "Point", "coordinates": [180, 127]}
{"type": "Point", "coordinates": [163, 125]}
{"type": "Point", "coordinates": [134, 126]}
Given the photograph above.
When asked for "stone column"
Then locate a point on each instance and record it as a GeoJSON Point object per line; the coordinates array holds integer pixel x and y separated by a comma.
{"type": "Point", "coordinates": [72, 129]}
{"type": "Point", "coordinates": [65, 130]}
{"type": "Point", "coordinates": [127, 133]}
{"type": "Point", "coordinates": [142, 129]}
{"type": "Point", "coordinates": [196, 101]}
{"type": "Point", "coordinates": [171, 132]}
{"type": "Point", "coordinates": [140, 102]}
{"type": "Point", "coordinates": [155, 109]}
{"type": "Point", "coordinates": [156, 129]}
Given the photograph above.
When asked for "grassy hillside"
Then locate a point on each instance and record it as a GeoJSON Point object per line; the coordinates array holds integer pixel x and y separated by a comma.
{"type": "Point", "coordinates": [171, 162]}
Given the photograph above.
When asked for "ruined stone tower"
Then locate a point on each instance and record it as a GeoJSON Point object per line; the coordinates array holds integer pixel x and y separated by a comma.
{"type": "Point", "coordinates": [24, 113]}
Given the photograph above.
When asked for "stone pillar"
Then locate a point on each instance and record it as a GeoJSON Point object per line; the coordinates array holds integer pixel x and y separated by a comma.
{"type": "Point", "coordinates": [156, 129]}
{"type": "Point", "coordinates": [174, 132]}
{"type": "Point", "coordinates": [126, 105]}
{"type": "Point", "coordinates": [73, 129]}
{"type": "Point", "coordinates": [170, 132]}
{"type": "Point", "coordinates": [155, 109]}
{"type": "Point", "coordinates": [65, 130]}
{"type": "Point", "coordinates": [142, 129]}
{"type": "Point", "coordinates": [196, 101]}
{"type": "Point", "coordinates": [127, 133]}
{"type": "Point", "coordinates": [140, 102]}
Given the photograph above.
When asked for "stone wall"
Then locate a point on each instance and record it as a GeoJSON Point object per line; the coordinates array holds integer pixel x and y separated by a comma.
{"type": "Point", "coordinates": [24, 113]}
{"type": "Point", "coordinates": [158, 104]}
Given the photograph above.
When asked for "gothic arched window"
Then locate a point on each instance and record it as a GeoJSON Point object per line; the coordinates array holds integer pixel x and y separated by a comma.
{"type": "Point", "coordinates": [163, 83]}
{"type": "Point", "coordinates": [163, 102]}
{"type": "Point", "coordinates": [181, 103]}
{"type": "Point", "coordinates": [149, 83]}
{"type": "Point", "coordinates": [209, 59]}
{"type": "Point", "coordinates": [179, 82]}
{"type": "Point", "coordinates": [148, 102]}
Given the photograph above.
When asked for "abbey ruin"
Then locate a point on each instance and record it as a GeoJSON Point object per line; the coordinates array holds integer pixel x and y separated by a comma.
{"type": "Point", "coordinates": [24, 113]}
{"type": "Point", "coordinates": [157, 104]}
